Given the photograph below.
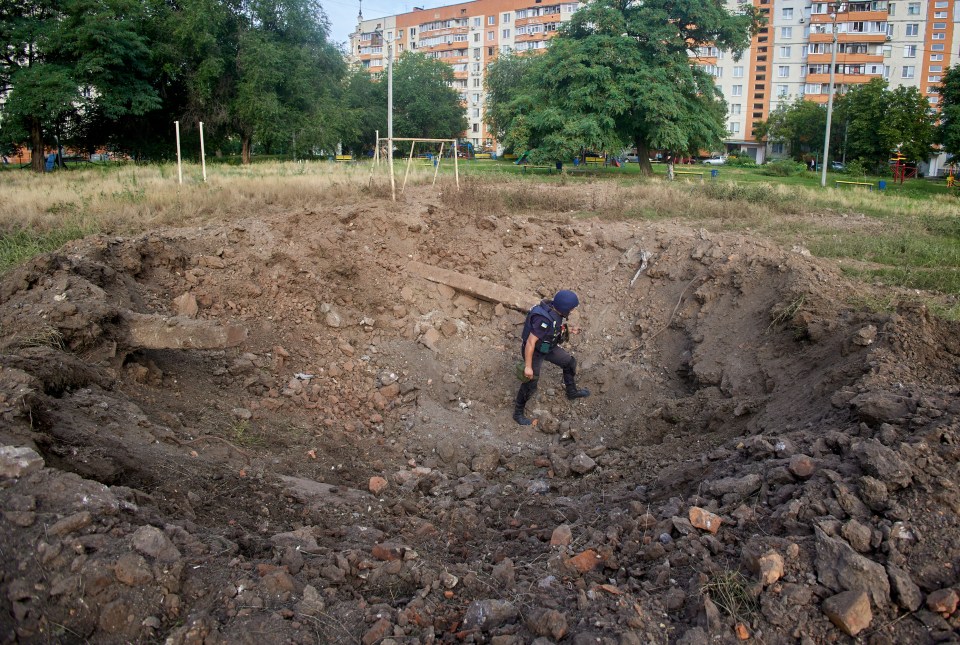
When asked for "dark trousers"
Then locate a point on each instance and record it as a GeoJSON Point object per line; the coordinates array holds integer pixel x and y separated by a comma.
{"type": "Point", "coordinates": [559, 357]}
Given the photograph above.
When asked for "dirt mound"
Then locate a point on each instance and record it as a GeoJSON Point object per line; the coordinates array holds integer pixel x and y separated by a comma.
{"type": "Point", "coordinates": [274, 428]}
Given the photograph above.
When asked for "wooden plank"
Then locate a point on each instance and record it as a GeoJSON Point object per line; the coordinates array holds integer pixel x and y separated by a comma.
{"type": "Point", "coordinates": [476, 287]}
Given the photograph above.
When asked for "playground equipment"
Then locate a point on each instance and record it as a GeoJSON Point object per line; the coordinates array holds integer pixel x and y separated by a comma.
{"type": "Point", "coordinates": [901, 169]}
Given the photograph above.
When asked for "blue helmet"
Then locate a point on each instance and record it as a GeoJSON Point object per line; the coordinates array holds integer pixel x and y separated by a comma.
{"type": "Point", "coordinates": [565, 301]}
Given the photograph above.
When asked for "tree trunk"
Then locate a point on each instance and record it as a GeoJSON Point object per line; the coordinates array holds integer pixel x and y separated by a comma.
{"type": "Point", "coordinates": [245, 154]}
{"type": "Point", "coordinates": [37, 159]}
{"type": "Point", "coordinates": [643, 156]}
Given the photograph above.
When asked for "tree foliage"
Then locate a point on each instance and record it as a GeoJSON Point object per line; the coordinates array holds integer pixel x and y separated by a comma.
{"type": "Point", "coordinates": [425, 106]}
{"type": "Point", "coordinates": [800, 125]}
{"type": "Point", "coordinates": [68, 62]}
{"type": "Point", "coordinates": [948, 132]}
{"type": "Point", "coordinates": [880, 121]}
{"type": "Point", "coordinates": [618, 73]}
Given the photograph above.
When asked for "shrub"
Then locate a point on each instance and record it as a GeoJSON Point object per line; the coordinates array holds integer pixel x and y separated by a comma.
{"type": "Point", "coordinates": [783, 168]}
{"type": "Point", "coordinates": [856, 168]}
{"type": "Point", "coordinates": [740, 160]}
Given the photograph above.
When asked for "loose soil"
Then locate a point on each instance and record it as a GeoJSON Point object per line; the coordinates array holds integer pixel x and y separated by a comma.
{"type": "Point", "coordinates": [759, 456]}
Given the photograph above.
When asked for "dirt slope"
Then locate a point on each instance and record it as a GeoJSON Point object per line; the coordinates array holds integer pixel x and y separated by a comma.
{"type": "Point", "coordinates": [221, 492]}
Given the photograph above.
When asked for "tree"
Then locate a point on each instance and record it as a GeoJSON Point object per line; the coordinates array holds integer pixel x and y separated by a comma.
{"type": "Point", "coordinates": [948, 132]}
{"type": "Point", "coordinates": [67, 60]}
{"type": "Point", "coordinates": [620, 72]}
{"type": "Point", "coordinates": [881, 121]}
{"type": "Point", "coordinates": [800, 125]}
{"type": "Point", "coordinates": [424, 104]}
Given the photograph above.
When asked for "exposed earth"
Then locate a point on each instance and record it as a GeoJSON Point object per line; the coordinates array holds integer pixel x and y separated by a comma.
{"type": "Point", "coordinates": [274, 430]}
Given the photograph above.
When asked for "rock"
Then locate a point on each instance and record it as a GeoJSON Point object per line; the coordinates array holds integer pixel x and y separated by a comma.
{"type": "Point", "coordinates": [131, 569]}
{"type": "Point", "coordinates": [430, 338]}
{"type": "Point", "coordinates": [504, 573]}
{"type": "Point", "coordinates": [585, 561]}
{"type": "Point", "coordinates": [302, 538]}
{"type": "Point", "coordinates": [380, 630]}
{"type": "Point", "coordinates": [548, 623]}
{"type": "Point", "coordinates": [312, 603]}
{"type": "Point", "coordinates": [562, 536]}
{"type": "Point", "coordinates": [72, 523]}
{"type": "Point", "coordinates": [377, 485]}
{"type": "Point", "coordinates": [768, 565]}
{"type": "Point", "coordinates": [487, 461]}
{"type": "Point", "coordinates": [850, 611]}
{"type": "Point", "coordinates": [865, 336]}
{"type": "Point", "coordinates": [874, 493]}
{"type": "Point", "coordinates": [333, 319]}
{"type": "Point", "coordinates": [448, 580]}
{"type": "Point", "coordinates": [739, 486]}
{"type": "Point", "coordinates": [146, 331]}
{"type": "Point", "coordinates": [839, 567]}
{"type": "Point", "coordinates": [704, 519]}
{"type": "Point", "coordinates": [489, 614]}
{"type": "Point", "coordinates": [151, 541]}
{"type": "Point", "coordinates": [883, 463]}
{"type": "Point", "coordinates": [387, 552]}
{"type": "Point", "coordinates": [186, 306]}
{"type": "Point", "coordinates": [943, 602]}
{"type": "Point", "coordinates": [694, 636]}
{"type": "Point", "coordinates": [278, 582]}
{"type": "Point", "coordinates": [582, 464]}
{"type": "Point", "coordinates": [802, 466]}
{"type": "Point", "coordinates": [858, 535]}
{"type": "Point", "coordinates": [905, 591]}
{"type": "Point", "coordinates": [882, 407]}
{"type": "Point", "coordinates": [18, 461]}
{"type": "Point", "coordinates": [849, 501]}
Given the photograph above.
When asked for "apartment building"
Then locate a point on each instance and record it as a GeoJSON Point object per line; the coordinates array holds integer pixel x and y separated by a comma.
{"type": "Point", "coordinates": [907, 43]}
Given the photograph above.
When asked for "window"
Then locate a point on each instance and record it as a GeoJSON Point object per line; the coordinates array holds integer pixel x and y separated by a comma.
{"type": "Point", "coordinates": [733, 127]}
{"type": "Point", "coordinates": [477, 21]}
{"type": "Point", "coordinates": [476, 53]}
{"type": "Point", "coordinates": [936, 58]}
{"type": "Point", "coordinates": [476, 128]}
{"type": "Point", "coordinates": [491, 20]}
{"type": "Point", "coordinates": [735, 108]}
{"type": "Point", "coordinates": [736, 90]}
{"type": "Point", "coordinates": [940, 4]}
{"type": "Point", "coordinates": [785, 52]}
{"type": "Point", "coordinates": [913, 8]}
{"type": "Point", "coordinates": [505, 17]}
{"type": "Point", "coordinates": [777, 148]}
{"type": "Point", "coordinates": [939, 35]}
{"type": "Point", "coordinates": [931, 89]}
{"type": "Point", "coordinates": [936, 68]}
{"type": "Point", "coordinates": [783, 71]}
{"type": "Point", "coordinates": [787, 13]}
{"type": "Point", "coordinates": [782, 90]}
{"type": "Point", "coordinates": [939, 14]}
{"type": "Point", "coordinates": [476, 98]}
{"type": "Point", "coordinates": [738, 71]}
{"type": "Point", "coordinates": [934, 78]}
{"type": "Point", "coordinates": [910, 51]}
{"type": "Point", "coordinates": [476, 82]}
{"type": "Point", "coordinates": [491, 35]}
{"type": "Point", "coordinates": [786, 32]}
{"type": "Point", "coordinates": [908, 71]}
{"type": "Point", "coordinates": [476, 38]}
{"type": "Point", "coordinates": [476, 113]}
{"type": "Point", "coordinates": [933, 99]}
{"type": "Point", "coordinates": [886, 72]}
{"type": "Point", "coordinates": [413, 31]}
{"type": "Point", "coordinates": [912, 29]}
{"type": "Point", "coordinates": [939, 25]}
{"type": "Point", "coordinates": [892, 9]}
{"type": "Point", "coordinates": [506, 34]}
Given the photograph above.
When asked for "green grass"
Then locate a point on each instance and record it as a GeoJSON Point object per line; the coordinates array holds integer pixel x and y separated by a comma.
{"type": "Point", "coordinates": [21, 244]}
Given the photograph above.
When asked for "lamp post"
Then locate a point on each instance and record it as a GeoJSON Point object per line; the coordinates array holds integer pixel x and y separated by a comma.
{"type": "Point", "coordinates": [833, 65]}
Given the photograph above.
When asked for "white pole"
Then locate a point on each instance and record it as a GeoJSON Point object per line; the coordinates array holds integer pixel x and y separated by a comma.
{"type": "Point", "coordinates": [376, 151]}
{"type": "Point", "coordinates": [393, 185]}
{"type": "Point", "coordinates": [203, 155]}
{"type": "Point", "coordinates": [833, 66]}
{"type": "Point", "coordinates": [179, 164]}
{"type": "Point", "coordinates": [437, 168]}
{"type": "Point", "coordinates": [409, 163]}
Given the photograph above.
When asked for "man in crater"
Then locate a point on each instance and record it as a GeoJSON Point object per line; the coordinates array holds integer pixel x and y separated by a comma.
{"type": "Point", "coordinates": [544, 330]}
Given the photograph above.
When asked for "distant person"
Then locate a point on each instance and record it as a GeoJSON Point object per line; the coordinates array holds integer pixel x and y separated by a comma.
{"type": "Point", "coordinates": [544, 330]}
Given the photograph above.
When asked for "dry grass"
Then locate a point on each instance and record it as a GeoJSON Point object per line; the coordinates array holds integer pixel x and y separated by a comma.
{"type": "Point", "coordinates": [135, 198]}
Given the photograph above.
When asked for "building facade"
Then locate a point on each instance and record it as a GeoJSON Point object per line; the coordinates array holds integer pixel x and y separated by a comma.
{"type": "Point", "coordinates": [910, 43]}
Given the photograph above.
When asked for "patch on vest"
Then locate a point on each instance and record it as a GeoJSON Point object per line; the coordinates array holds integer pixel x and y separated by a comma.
{"type": "Point", "coordinates": [544, 325]}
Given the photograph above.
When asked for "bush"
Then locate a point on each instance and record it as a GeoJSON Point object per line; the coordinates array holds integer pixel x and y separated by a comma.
{"type": "Point", "coordinates": [856, 168]}
{"type": "Point", "coordinates": [740, 160]}
{"type": "Point", "coordinates": [783, 168]}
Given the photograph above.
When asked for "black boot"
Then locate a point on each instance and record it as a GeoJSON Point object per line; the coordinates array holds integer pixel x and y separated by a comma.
{"type": "Point", "coordinates": [573, 392]}
{"type": "Point", "coordinates": [519, 416]}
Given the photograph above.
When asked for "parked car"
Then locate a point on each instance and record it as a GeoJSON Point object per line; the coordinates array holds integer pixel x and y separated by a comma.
{"type": "Point", "coordinates": [838, 166]}
{"type": "Point", "coordinates": [715, 161]}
